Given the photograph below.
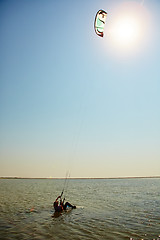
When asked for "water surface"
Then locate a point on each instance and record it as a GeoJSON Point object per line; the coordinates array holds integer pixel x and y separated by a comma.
{"type": "Point", "coordinates": [109, 209]}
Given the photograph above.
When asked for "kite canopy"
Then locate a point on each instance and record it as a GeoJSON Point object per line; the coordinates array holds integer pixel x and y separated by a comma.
{"type": "Point", "coordinates": [100, 22]}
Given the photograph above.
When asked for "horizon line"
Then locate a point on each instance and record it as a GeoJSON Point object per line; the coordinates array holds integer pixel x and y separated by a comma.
{"type": "Point", "coordinates": [56, 178]}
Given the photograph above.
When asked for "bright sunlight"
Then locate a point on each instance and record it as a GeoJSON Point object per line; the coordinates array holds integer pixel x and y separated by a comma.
{"type": "Point", "coordinates": [126, 31]}
{"type": "Point", "coordinates": [128, 26]}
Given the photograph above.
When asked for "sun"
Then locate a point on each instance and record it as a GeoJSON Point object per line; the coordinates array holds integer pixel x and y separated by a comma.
{"type": "Point", "coordinates": [126, 31]}
{"type": "Point", "coordinates": [128, 25]}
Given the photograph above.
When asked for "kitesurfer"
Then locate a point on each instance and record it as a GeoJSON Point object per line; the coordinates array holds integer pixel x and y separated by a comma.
{"type": "Point", "coordinates": [59, 207]}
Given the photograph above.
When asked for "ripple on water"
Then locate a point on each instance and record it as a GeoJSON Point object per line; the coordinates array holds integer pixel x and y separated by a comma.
{"type": "Point", "coordinates": [112, 209]}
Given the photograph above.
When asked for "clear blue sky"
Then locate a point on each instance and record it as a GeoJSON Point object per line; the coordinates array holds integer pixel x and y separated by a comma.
{"type": "Point", "coordinates": [69, 100]}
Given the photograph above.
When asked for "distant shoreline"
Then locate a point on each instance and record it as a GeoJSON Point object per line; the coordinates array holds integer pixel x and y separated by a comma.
{"type": "Point", "coordinates": [79, 178]}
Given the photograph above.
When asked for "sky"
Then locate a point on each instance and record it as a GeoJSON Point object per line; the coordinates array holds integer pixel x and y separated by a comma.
{"type": "Point", "coordinates": [73, 101]}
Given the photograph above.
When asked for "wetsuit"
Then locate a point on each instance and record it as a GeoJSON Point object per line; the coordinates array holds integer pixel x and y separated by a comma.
{"type": "Point", "coordinates": [60, 208]}
{"type": "Point", "coordinates": [57, 208]}
{"type": "Point", "coordinates": [67, 204]}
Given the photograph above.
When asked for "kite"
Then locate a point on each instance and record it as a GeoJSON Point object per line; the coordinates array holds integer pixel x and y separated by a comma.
{"type": "Point", "coordinates": [100, 22]}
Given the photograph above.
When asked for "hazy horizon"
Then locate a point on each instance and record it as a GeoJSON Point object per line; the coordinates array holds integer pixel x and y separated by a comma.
{"type": "Point", "coordinates": [63, 178]}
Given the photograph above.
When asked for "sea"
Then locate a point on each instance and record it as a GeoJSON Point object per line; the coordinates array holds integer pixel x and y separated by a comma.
{"type": "Point", "coordinates": [107, 209]}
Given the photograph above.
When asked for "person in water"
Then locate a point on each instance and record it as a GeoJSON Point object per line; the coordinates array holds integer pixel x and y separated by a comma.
{"type": "Point", "coordinates": [59, 207]}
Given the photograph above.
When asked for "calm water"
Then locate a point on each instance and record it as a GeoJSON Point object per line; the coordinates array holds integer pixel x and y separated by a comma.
{"type": "Point", "coordinates": [109, 209]}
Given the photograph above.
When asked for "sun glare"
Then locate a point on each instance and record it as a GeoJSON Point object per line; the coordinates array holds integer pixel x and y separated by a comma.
{"type": "Point", "coordinates": [126, 31]}
{"type": "Point", "coordinates": [127, 28]}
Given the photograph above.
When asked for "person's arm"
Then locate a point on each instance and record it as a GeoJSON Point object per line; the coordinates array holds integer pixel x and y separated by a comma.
{"type": "Point", "coordinates": [55, 204]}
{"type": "Point", "coordinates": [58, 197]}
{"type": "Point", "coordinates": [62, 201]}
